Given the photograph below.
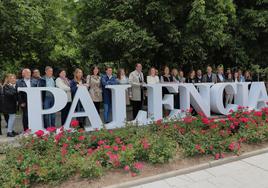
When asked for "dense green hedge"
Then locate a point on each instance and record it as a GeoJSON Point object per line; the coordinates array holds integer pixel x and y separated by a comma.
{"type": "Point", "coordinates": [50, 157]}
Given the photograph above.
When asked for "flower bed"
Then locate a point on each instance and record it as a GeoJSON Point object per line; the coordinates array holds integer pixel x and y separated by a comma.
{"type": "Point", "coordinates": [50, 157]}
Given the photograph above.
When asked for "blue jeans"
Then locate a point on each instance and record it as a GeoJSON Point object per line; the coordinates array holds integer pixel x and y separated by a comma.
{"type": "Point", "coordinates": [107, 110]}
{"type": "Point", "coordinates": [11, 121]}
{"type": "Point", "coordinates": [49, 119]}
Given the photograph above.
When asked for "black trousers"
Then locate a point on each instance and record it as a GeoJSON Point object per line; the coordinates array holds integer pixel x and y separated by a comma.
{"type": "Point", "coordinates": [136, 106]}
{"type": "Point", "coordinates": [65, 112]}
{"type": "Point", "coordinates": [97, 106]}
{"type": "Point", "coordinates": [25, 118]}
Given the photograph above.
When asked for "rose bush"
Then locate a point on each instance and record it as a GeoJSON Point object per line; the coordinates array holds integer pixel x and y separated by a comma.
{"type": "Point", "coordinates": [54, 155]}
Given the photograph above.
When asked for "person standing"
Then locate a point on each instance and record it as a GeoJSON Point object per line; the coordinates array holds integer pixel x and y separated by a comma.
{"type": "Point", "coordinates": [48, 99]}
{"type": "Point", "coordinates": [122, 79]}
{"type": "Point", "coordinates": [36, 76]}
{"type": "Point", "coordinates": [175, 74]}
{"type": "Point", "coordinates": [220, 74]}
{"type": "Point", "coordinates": [199, 76]}
{"type": "Point", "coordinates": [77, 82]}
{"type": "Point", "coordinates": [1, 106]}
{"type": "Point", "coordinates": [107, 79]}
{"type": "Point", "coordinates": [95, 90]}
{"type": "Point", "coordinates": [240, 75]}
{"type": "Point", "coordinates": [136, 81]}
{"type": "Point", "coordinates": [10, 102]}
{"type": "Point", "coordinates": [152, 78]}
{"type": "Point", "coordinates": [182, 79]}
{"type": "Point", "coordinates": [191, 78]}
{"type": "Point", "coordinates": [210, 77]}
{"type": "Point", "coordinates": [236, 77]}
{"type": "Point", "coordinates": [63, 83]}
{"type": "Point", "coordinates": [229, 95]}
{"type": "Point", "coordinates": [247, 76]}
{"type": "Point", "coordinates": [28, 82]}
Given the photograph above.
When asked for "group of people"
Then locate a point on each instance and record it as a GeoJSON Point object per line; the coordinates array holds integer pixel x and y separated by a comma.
{"type": "Point", "coordinates": [96, 83]}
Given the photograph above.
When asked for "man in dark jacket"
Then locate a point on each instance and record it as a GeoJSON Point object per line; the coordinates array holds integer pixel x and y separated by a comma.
{"type": "Point", "coordinates": [26, 81]}
{"type": "Point", "coordinates": [48, 99]}
{"type": "Point", "coordinates": [210, 76]}
{"type": "Point", "coordinates": [107, 79]}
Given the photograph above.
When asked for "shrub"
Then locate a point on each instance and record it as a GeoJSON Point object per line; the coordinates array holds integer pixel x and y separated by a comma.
{"type": "Point", "coordinates": [50, 157]}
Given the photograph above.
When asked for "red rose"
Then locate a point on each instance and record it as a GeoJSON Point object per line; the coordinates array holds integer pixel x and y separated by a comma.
{"type": "Point", "coordinates": [138, 165]}
{"type": "Point", "coordinates": [51, 129]}
{"type": "Point", "coordinates": [74, 123]}
{"type": "Point", "coordinates": [115, 148]}
{"type": "Point", "coordinates": [205, 121]}
{"type": "Point", "coordinates": [217, 156]}
{"type": "Point", "coordinates": [81, 138]}
{"type": "Point", "coordinates": [39, 133]}
{"type": "Point", "coordinates": [126, 168]}
{"type": "Point", "coordinates": [124, 148]}
{"type": "Point", "coordinates": [232, 146]}
{"type": "Point", "coordinates": [258, 114]}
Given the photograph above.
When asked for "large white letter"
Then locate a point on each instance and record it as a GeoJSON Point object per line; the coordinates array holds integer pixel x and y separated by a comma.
{"type": "Point", "coordinates": [90, 111]}
{"type": "Point", "coordinates": [216, 96]}
{"type": "Point", "coordinates": [257, 95]}
{"type": "Point", "coordinates": [35, 105]}
{"type": "Point", "coordinates": [118, 105]}
{"type": "Point", "coordinates": [156, 102]}
{"type": "Point", "coordinates": [199, 100]}
{"type": "Point", "coordinates": [241, 97]}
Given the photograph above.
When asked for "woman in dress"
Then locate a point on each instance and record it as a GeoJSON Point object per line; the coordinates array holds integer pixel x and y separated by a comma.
{"type": "Point", "coordinates": [95, 90]}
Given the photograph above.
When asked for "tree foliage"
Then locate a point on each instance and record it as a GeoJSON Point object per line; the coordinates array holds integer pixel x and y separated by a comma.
{"type": "Point", "coordinates": [180, 33]}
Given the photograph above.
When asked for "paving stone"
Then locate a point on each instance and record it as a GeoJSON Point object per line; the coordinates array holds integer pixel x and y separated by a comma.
{"type": "Point", "coordinates": [178, 181]}
{"type": "Point", "coordinates": [157, 184]}
{"type": "Point", "coordinates": [246, 173]}
{"type": "Point", "coordinates": [199, 175]}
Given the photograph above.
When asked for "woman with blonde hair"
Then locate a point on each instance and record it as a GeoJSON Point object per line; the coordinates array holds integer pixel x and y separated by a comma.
{"type": "Point", "coordinates": [152, 78]}
{"type": "Point", "coordinates": [10, 99]}
{"type": "Point", "coordinates": [75, 83]}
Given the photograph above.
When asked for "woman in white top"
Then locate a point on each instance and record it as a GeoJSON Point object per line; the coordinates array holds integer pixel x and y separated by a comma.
{"type": "Point", "coordinates": [152, 78]}
{"type": "Point", "coordinates": [63, 83]}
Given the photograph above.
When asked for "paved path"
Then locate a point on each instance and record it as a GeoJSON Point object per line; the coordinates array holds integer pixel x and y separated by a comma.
{"type": "Point", "coordinates": [247, 173]}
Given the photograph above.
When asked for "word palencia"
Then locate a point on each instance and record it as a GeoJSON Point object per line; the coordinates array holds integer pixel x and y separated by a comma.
{"type": "Point", "coordinates": [203, 97]}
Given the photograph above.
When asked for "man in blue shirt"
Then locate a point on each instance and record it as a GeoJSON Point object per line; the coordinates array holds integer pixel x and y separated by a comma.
{"type": "Point", "coordinates": [107, 79]}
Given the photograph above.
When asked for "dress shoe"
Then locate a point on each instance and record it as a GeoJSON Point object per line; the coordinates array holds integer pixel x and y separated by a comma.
{"type": "Point", "coordinates": [10, 134]}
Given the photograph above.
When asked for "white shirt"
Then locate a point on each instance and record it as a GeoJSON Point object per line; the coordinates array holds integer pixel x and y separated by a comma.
{"type": "Point", "coordinates": [220, 77]}
{"type": "Point", "coordinates": [27, 82]}
{"type": "Point", "coordinates": [152, 79]}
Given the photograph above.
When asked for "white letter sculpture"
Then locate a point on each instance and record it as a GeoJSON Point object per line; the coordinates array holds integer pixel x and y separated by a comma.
{"type": "Point", "coordinates": [90, 111]}
{"type": "Point", "coordinates": [35, 104]}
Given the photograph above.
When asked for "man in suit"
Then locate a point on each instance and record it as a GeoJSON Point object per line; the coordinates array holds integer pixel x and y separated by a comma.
{"type": "Point", "coordinates": [26, 81]}
{"type": "Point", "coordinates": [210, 77]}
{"type": "Point", "coordinates": [48, 99]}
{"type": "Point", "coordinates": [220, 74]}
{"type": "Point", "coordinates": [199, 77]}
{"type": "Point", "coordinates": [136, 80]}
{"type": "Point", "coordinates": [107, 79]}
